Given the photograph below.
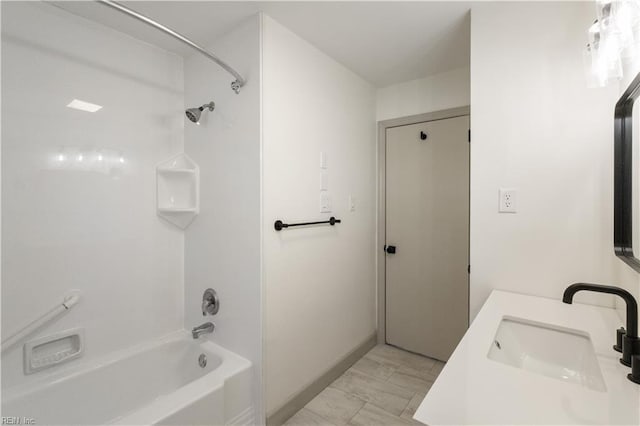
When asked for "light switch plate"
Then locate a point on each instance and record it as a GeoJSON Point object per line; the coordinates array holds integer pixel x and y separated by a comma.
{"type": "Point", "coordinates": [325, 202]}
{"type": "Point", "coordinates": [324, 180]}
{"type": "Point", "coordinates": [508, 200]}
{"type": "Point", "coordinates": [323, 160]}
{"type": "Point", "coordinates": [352, 203]}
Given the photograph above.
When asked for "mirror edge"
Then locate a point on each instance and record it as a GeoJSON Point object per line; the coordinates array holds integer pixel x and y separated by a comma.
{"type": "Point", "coordinates": [623, 176]}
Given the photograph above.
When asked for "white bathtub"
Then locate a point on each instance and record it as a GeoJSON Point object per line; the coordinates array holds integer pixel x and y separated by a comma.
{"type": "Point", "coordinates": [159, 382]}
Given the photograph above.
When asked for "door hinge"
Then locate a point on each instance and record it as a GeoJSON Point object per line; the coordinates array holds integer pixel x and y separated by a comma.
{"type": "Point", "coordinates": [468, 269]}
{"type": "Point", "coordinates": [469, 136]}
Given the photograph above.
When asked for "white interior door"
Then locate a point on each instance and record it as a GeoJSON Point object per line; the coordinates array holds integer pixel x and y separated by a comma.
{"type": "Point", "coordinates": [427, 221]}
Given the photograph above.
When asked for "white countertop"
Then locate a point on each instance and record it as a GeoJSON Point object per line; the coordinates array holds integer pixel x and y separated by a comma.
{"type": "Point", "coordinates": [473, 389]}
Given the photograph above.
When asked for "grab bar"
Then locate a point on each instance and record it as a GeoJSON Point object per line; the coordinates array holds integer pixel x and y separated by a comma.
{"type": "Point", "coordinates": [66, 304]}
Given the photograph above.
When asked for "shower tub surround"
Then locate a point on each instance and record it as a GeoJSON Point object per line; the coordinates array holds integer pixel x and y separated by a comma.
{"type": "Point", "coordinates": [80, 193]}
{"type": "Point", "coordinates": [201, 384]}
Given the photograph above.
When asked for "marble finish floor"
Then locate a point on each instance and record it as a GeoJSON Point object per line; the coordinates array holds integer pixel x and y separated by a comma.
{"type": "Point", "coordinates": [384, 387]}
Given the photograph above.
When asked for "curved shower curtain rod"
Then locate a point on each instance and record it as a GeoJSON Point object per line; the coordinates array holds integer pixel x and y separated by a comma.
{"type": "Point", "coordinates": [235, 85]}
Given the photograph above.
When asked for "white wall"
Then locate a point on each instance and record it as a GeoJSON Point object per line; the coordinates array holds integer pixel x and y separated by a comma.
{"type": "Point", "coordinates": [222, 245]}
{"type": "Point", "coordinates": [84, 224]}
{"type": "Point", "coordinates": [319, 282]}
{"type": "Point", "coordinates": [538, 128]}
{"type": "Point", "coordinates": [433, 93]}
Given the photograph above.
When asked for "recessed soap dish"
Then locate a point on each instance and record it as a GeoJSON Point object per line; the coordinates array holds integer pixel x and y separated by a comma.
{"type": "Point", "coordinates": [52, 350]}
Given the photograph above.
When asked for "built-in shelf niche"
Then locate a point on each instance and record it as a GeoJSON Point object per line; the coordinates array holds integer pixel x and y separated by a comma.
{"type": "Point", "coordinates": [178, 190]}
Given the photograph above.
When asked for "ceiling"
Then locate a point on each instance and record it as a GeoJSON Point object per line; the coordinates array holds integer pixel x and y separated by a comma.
{"type": "Point", "coordinates": [383, 42]}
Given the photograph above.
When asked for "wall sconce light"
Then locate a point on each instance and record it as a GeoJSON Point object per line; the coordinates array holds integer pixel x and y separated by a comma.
{"type": "Point", "coordinates": [613, 41]}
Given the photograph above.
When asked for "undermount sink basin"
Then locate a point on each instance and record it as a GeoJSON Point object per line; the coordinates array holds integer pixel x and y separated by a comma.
{"type": "Point", "coordinates": [556, 352]}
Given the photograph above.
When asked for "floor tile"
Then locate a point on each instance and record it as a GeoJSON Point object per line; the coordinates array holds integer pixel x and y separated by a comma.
{"type": "Point", "coordinates": [413, 406]}
{"type": "Point", "coordinates": [387, 396]}
{"type": "Point", "coordinates": [385, 387]}
{"type": "Point", "coordinates": [335, 405]}
{"type": "Point", "coordinates": [370, 415]}
{"type": "Point", "coordinates": [306, 417]}
{"type": "Point", "coordinates": [437, 368]}
{"type": "Point", "coordinates": [398, 357]}
{"type": "Point", "coordinates": [426, 375]}
{"type": "Point", "coordinates": [374, 368]}
{"type": "Point", "coordinates": [410, 382]}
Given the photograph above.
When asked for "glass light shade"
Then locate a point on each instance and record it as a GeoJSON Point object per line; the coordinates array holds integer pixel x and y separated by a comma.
{"type": "Point", "coordinates": [614, 41]}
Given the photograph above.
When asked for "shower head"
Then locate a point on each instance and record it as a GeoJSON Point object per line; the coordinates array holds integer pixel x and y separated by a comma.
{"type": "Point", "coordinates": [194, 114]}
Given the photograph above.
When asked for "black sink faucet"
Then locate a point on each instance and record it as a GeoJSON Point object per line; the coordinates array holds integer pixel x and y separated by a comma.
{"type": "Point", "coordinates": [630, 341]}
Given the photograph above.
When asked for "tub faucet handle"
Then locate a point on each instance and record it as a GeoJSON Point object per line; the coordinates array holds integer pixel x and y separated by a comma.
{"type": "Point", "coordinates": [210, 302]}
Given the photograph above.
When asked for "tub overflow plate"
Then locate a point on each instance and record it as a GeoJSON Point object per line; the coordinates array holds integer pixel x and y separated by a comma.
{"type": "Point", "coordinates": [202, 360]}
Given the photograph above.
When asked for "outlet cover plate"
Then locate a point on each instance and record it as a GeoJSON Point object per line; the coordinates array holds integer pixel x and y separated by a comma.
{"type": "Point", "coordinates": [508, 200]}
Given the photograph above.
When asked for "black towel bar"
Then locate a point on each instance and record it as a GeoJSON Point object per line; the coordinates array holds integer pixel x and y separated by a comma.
{"type": "Point", "coordinates": [279, 225]}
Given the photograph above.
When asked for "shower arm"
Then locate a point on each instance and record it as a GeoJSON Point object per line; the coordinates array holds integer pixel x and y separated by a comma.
{"type": "Point", "coordinates": [210, 106]}
{"type": "Point", "coordinates": [235, 85]}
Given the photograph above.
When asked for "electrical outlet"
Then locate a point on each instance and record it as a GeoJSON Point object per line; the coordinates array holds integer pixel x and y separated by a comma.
{"type": "Point", "coordinates": [507, 200]}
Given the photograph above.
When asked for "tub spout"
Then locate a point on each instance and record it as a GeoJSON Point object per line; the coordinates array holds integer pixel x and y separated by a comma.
{"type": "Point", "coordinates": [205, 328]}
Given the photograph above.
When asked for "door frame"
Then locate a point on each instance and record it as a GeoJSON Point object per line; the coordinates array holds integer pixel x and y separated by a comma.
{"type": "Point", "coordinates": [382, 180]}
